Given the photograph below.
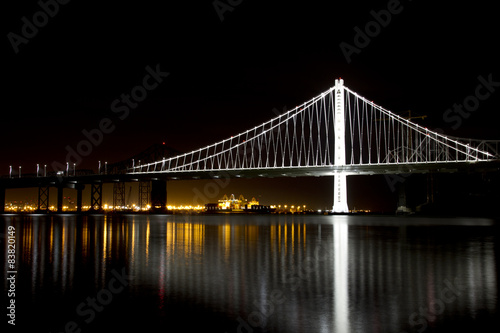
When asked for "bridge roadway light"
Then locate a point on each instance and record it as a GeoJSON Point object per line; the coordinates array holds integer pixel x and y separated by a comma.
{"type": "Point", "coordinates": [19, 171]}
{"type": "Point", "coordinates": [45, 170]}
{"type": "Point", "coordinates": [10, 171]}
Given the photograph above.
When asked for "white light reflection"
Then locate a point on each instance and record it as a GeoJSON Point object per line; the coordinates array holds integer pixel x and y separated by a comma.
{"type": "Point", "coordinates": [341, 291]}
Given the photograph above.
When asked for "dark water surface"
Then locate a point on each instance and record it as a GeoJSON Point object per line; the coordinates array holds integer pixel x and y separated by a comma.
{"type": "Point", "coordinates": [251, 273]}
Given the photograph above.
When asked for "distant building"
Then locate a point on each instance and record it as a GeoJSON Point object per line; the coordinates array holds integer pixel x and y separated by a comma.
{"type": "Point", "coordinates": [231, 204]}
{"type": "Point", "coordinates": [212, 207]}
{"type": "Point", "coordinates": [234, 204]}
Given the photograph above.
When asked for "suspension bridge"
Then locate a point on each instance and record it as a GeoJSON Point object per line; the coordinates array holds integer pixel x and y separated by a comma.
{"type": "Point", "coordinates": [337, 133]}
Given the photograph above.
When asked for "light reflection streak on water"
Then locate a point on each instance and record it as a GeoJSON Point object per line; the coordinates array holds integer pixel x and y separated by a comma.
{"type": "Point", "coordinates": [64, 253]}
{"type": "Point", "coordinates": [134, 237]}
{"type": "Point", "coordinates": [35, 253]}
{"type": "Point", "coordinates": [226, 238]}
{"type": "Point", "coordinates": [105, 239]}
{"type": "Point", "coordinates": [147, 242]}
{"type": "Point", "coordinates": [162, 292]}
{"type": "Point", "coordinates": [341, 260]}
{"type": "Point", "coordinates": [51, 254]}
{"type": "Point", "coordinates": [85, 240]}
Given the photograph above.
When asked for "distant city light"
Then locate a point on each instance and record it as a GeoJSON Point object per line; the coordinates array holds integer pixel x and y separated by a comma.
{"type": "Point", "coordinates": [225, 204]}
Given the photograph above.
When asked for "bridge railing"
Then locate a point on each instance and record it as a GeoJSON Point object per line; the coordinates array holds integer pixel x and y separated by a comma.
{"type": "Point", "coordinates": [51, 174]}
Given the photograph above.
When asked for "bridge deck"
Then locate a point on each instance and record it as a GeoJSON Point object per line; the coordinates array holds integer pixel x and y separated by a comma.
{"type": "Point", "coordinates": [331, 170]}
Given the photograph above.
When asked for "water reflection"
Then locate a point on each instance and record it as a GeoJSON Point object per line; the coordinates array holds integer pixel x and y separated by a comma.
{"type": "Point", "coordinates": [276, 273]}
{"type": "Point", "coordinates": [341, 263]}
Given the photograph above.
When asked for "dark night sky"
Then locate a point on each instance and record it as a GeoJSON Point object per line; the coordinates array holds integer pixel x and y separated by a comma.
{"type": "Point", "coordinates": [227, 76]}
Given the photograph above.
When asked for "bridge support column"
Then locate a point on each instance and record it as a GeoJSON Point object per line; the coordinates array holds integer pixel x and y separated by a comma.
{"type": "Point", "coordinates": [96, 197]}
{"type": "Point", "coordinates": [158, 195]}
{"type": "Point", "coordinates": [144, 194]}
{"type": "Point", "coordinates": [2, 200]}
{"type": "Point", "coordinates": [340, 185]}
{"type": "Point", "coordinates": [118, 195]}
{"type": "Point", "coordinates": [43, 199]}
{"type": "Point", "coordinates": [430, 188]}
{"type": "Point", "coordinates": [340, 194]}
{"type": "Point", "coordinates": [60, 190]}
{"type": "Point", "coordinates": [402, 207]}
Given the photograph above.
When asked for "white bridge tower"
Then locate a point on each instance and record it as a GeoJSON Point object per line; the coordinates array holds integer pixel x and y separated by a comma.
{"type": "Point", "coordinates": [340, 186]}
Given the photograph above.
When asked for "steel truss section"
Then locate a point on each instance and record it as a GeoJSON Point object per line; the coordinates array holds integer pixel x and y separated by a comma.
{"type": "Point", "coordinates": [43, 198]}
{"type": "Point", "coordinates": [119, 195]}
{"type": "Point", "coordinates": [144, 194]}
{"type": "Point", "coordinates": [96, 196]}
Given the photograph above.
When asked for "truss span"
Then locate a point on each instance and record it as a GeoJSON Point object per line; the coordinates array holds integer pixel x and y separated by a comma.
{"type": "Point", "coordinates": [304, 138]}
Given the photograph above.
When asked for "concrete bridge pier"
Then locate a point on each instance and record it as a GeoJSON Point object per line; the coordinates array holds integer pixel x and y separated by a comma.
{"type": "Point", "coordinates": [431, 184]}
{"type": "Point", "coordinates": [60, 190]}
{"type": "Point", "coordinates": [340, 194]}
{"type": "Point", "coordinates": [158, 195]}
{"type": "Point", "coordinates": [402, 206]}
